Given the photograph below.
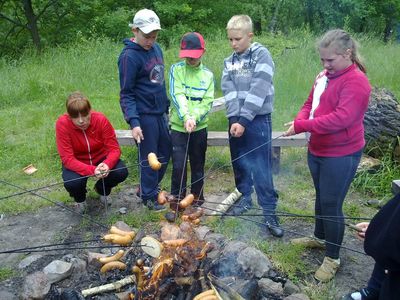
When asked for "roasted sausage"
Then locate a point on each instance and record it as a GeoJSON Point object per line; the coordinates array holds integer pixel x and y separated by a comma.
{"type": "Point", "coordinates": [153, 161]}
{"type": "Point", "coordinates": [185, 202]}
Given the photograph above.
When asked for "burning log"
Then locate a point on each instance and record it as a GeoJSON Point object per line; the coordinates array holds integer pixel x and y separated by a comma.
{"type": "Point", "coordinates": [109, 286]}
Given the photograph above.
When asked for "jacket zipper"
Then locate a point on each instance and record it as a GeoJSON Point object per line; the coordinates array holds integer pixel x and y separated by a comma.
{"type": "Point", "coordinates": [88, 145]}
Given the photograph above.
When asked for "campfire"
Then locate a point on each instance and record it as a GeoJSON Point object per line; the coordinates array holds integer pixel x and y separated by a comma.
{"type": "Point", "coordinates": [180, 259]}
{"type": "Point", "coordinates": [168, 266]}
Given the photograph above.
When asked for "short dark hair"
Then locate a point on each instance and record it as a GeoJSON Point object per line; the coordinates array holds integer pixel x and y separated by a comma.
{"type": "Point", "coordinates": [78, 104]}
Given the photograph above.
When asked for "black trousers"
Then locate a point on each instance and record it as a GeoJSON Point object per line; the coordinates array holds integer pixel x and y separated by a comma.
{"type": "Point", "coordinates": [75, 184]}
{"type": "Point", "coordinates": [195, 145]}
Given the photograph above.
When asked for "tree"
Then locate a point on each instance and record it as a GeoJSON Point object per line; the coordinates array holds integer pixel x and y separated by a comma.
{"type": "Point", "coordinates": [30, 22]}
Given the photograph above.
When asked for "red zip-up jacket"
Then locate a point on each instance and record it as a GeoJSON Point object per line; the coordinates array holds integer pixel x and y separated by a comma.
{"type": "Point", "coordinates": [337, 127]}
{"type": "Point", "coordinates": [82, 150]}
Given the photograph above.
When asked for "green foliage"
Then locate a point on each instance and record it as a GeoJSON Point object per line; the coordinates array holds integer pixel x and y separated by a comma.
{"type": "Point", "coordinates": [378, 183]}
{"type": "Point", "coordinates": [62, 22]}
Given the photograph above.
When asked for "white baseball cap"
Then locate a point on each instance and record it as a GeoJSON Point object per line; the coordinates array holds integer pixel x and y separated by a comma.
{"type": "Point", "coordinates": [146, 20]}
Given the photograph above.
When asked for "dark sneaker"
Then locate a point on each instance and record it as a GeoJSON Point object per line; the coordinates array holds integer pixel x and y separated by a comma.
{"type": "Point", "coordinates": [273, 226]}
{"type": "Point", "coordinates": [238, 210]}
{"type": "Point", "coordinates": [154, 205]}
{"type": "Point", "coordinates": [363, 294]}
{"type": "Point", "coordinates": [241, 206]}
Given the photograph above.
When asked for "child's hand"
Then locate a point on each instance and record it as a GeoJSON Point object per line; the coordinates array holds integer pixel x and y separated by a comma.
{"type": "Point", "coordinates": [102, 170]}
{"type": "Point", "coordinates": [237, 130]}
{"type": "Point", "coordinates": [363, 226]}
{"type": "Point", "coordinates": [137, 134]}
{"type": "Point", "coordinates": [190, 125]}
{"type": "Point", "coordinates": [290, 130]}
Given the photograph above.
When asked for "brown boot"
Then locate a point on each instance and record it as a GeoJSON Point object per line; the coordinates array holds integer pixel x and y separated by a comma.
{"type": "Point", "coordinates": [309, 242]}
{"type": "Point", "coordinates": [327, 270]}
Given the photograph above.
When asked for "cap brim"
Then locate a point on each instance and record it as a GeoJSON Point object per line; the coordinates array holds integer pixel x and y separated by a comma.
{"type": "Point", "coordinates": [191, 53]}
{"type": "Point", "coordinates": [149, 28]}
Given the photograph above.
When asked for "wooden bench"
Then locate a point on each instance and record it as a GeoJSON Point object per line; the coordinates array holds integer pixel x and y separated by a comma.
{"type": "Point", "coordinates": [220, 138]}
{"type": "Point", "coordinates": [396, 186]}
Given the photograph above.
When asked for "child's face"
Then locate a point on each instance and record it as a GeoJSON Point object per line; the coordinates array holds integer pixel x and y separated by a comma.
{"type": "Point", "coordinates": [194, 62]}
{"type": "Point", "coordinates": [146, 41]}
{"type": "Point", "coordinates": [334, 62]}
{"type": "Point", "coordinates": [82, 122]}
{"type": "Point", "coordinates": [240, 40]}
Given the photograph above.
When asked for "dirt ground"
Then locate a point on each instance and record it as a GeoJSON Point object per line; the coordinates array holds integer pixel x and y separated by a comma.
{"type": "Point", "coordinates": [54, 224]}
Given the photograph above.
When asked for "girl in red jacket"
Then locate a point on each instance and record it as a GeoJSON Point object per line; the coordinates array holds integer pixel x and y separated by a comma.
{"type": "Point", "coordinates": [87, 146]}
{"type": "Point", "coordinates": [333, 116]}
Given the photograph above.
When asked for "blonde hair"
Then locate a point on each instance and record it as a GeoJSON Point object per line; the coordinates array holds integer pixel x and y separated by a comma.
{"type": "Point", "coordinates": [341, 41]}
{"type": "Point", "coordinates": [77, 104]}
{"type": "Point", "coordinates": [240, 22]}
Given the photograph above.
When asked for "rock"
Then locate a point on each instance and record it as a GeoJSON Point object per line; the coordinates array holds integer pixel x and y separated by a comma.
{"type": "Point", "coordinates": [254, 261]}
{"type": "Point", "coordinates": [123, 226]}
{"type": "Point", "coordinates": [93, 258]}
{"type": "Point", "coordinates": [5, 295]}
{"type": "Point", "coordinates": [290, 288]}
{"type": "Point", "coordinates": [234, 247]}
{"type": "Point", "coordinates": [123, 210]}
{"type": "Point", "coordinates": [58, 270]}
{"type": "Point", "coordinates": [36, 286]}
{"type": "Point", "coordinates": [202, 231]}
{"type": "Point", "coordinates": [248, 289]}
{"type": "Point", "coordinates": [27, 261]}
{"type": "Point", "coordinates": [78, 266]}
{"type": "Point", "coordinates": [268, 287]}
{"type": "Point", "coordinates": [216, 238]}
{"type": "Point", "coordinates": [297, 297]}
{"type": "Point", "coordinates": [375, 203]}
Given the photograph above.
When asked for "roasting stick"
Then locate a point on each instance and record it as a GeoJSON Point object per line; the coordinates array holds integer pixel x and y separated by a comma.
{"type": "Point", "coordinates": [109, 286]}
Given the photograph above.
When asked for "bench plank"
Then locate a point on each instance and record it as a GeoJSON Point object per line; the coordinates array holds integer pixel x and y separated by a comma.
{"type": "Point", "coordinates": [220, 138]}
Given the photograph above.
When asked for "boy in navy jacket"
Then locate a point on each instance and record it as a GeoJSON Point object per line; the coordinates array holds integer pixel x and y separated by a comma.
{"type": "Point", "coordinates": [144, 100]}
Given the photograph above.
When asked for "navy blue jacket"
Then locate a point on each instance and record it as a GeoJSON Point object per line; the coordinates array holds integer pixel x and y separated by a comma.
{"type": "Point", "coordinates": [141, 77]}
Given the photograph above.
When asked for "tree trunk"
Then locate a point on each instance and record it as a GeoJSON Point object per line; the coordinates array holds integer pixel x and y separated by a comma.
{"type": "Point", "coordinates": [382, 124]}
{"type": "Point", "coordinates": [272, 24]}
{"type": "Point", "coordinates": [32, 23]}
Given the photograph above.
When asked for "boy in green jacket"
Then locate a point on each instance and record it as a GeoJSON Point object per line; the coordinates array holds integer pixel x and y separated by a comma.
{"type": "Point", "coordinates": [192, 93]}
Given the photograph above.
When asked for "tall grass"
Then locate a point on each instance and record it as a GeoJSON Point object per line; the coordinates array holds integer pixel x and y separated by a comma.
{"type": "Point", "coordinates": [34, 89]}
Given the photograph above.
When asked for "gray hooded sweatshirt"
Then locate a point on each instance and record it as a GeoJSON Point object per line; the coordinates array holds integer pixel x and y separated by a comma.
{"type": "Point", "coordinates": [247, 84]}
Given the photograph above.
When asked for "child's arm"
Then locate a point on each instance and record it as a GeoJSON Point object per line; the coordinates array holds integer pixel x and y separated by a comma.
{"type": "Point", "coordinates": [177, 92]}
{"type": "Point", "coordinates": [201, 110]}
{"type": "Point", "coordinates": [127, 78]}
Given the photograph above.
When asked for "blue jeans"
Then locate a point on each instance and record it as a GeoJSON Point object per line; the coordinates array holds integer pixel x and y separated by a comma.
{"type": "Point", "coordinates": [75, 184]}
{"type": "Point", "coordinates": [252, 163]}
{"type": "Point", "coordinates": [158, 140]}
{"type": "Point", "coordinates": [332, 177]}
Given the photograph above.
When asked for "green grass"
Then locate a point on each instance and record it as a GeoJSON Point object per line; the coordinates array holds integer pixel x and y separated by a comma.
{"type": "Point", "coordinates": [34, 89]}
{"type": "Point", "coordinates": [6, 273]}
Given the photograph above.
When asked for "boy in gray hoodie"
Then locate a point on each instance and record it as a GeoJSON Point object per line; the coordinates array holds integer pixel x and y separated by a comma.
{"type": "Point", "coordinates": [249, 93]}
